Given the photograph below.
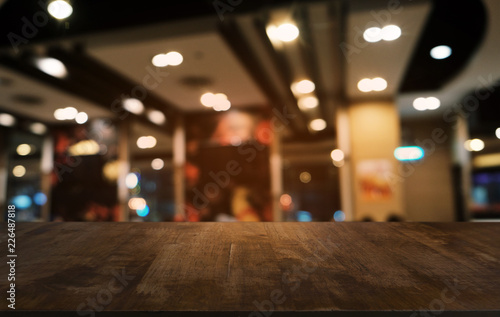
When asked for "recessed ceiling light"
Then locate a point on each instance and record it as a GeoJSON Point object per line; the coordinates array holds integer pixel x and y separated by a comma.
{"type": "Point", "coordinates": [379, 84]}
{"type": "Point", "coordinates": [287, 32]}
{"type": "Point", "coordinates": [23, 149]}
{"type": "Point", "coordinates": [372, 35]}
{"type": "Point", "coordinates": [160, 60]}
{"type": "Point", "coordinates": [68, 113]}
{"type": "Point", "coordinates": [157, 164]}
{"type": "Point", "coordinates": [171, 58]}
{"type": "Point", "coordinates": [475, 145]}
{"type": "Point", "coordinates": [146, 142]}
{"type": "Point", "coordinates": [441, 52]}
{"type": "Point", "coordinates": [133, 105]}
{"type": "Point", "coordinates": [7, 120]}
{"type": "Point", "coordinates": [306, 103]}
{"type": "Point", "coordinates": [390, 32]}
{"type": "Point", "coordinates": [317, 124]}
{"type": "Point", "coordinates": [19, 171]}
{"type": "Point", "coordinates": [303, 87]}
{"type": "Point", "coordinates": [38, 128]}
{"type": "Point", "coordinates": [497, 133]}
{"type": "Point", "coordinates": [81, 118]}
{"type": "Point", "coordinates": [420, 104]}
{"type": "Point", "coordinates": [387, 33]}
{"type": "Point", "coordinates": [429, 103]}
{"type": "Point", "coordinates": [60, 9]}
{"type": "Point", "coordinates": [157, 117]}
{"type": "Point", "coordinates": [375, 84]}
{"type": "Point", "coordinates": [337, 155]}
{"type": "Point", "coordinates": [174, 58]}
{"type": "Point", "coordinates": [51, 66]}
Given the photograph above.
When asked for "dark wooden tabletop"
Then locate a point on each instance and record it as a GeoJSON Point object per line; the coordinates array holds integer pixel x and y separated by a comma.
{"type": "Point", "coordinates": [257, 269]}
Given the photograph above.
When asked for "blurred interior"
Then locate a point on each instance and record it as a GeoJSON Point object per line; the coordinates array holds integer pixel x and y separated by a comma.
{"type": "Point", "coordinates": [233, 110]}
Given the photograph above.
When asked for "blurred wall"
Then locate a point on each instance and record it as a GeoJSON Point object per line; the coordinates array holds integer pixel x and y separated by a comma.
{"type": "Point", "coordinates": [428, 189]}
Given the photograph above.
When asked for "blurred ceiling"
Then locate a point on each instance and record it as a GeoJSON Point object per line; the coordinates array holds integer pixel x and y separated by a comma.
{"type": "Point", "coordinates": [107, 48]}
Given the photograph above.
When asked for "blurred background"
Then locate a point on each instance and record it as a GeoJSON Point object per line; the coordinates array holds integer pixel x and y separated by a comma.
{"type": "Point", "coordinates": [233, 110]}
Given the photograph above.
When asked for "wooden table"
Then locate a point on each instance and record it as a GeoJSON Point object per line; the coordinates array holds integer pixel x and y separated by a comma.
{"type": "Point", "coordinates": [255, 269]}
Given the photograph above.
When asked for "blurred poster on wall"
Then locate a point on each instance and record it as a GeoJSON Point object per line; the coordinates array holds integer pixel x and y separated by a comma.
{"type": "Point", "coordinates": [373, 178]}
{"type": "Point", "coordinates": [227, 167]}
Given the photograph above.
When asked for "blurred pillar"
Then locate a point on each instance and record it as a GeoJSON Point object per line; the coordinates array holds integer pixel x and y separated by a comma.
{"type": "Point", "coordinates": [376, 175]}
{"type": "Point", "coordinates": [276, 170]}
{"type": "Point", "coordinates": [46, 167]}
{"type": "Point", "coordinates": [179, 160]}
{"type": "Point", "coordinates": [345, 181]}
{"type": "Point", "coordinates": [124, 169]}
{"type": "Point", "coordinates": [461, 170]}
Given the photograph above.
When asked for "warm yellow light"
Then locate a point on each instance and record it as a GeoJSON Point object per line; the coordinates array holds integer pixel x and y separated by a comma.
{"type": "Point", "coordinates": [136, 203]}
{"type": "Point", "coordinates": [146, 142]}
{"type": "Point", "coordinates": [157, 164]}
{"type": "Point", "coordinates": [337, 155]}
{"type": "Point", "coordinates": [475, 145]}
{"type": "Point", "coordinates": [60, 9]}
{"type": "Point", "coordinates": [303, 87]}
{"type": "Point", "coordinates": [287, 32]}
{"type": "Point", "coordinates": [306, 103]}
{"type": "Point", "coordinates": [23, 149]}
{"type": "Point", "coordinates": [157, 117]}
{"type": "Point", "coordinates": [317, 124]}
{"type": "Point", "coordinates": [305, 177]}
{"type": "Point", "coordinates": [19, 171]}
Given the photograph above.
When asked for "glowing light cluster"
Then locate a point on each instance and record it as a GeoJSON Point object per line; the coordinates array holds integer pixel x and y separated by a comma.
{"type": "Point", "coordinates": [387, 33]}
{"type": "Point", "coordinates": [374, 84]}
{"type": "Point", "coordinates": [429, 103]}
{"type": "Point", "coordinates": [218, 102]}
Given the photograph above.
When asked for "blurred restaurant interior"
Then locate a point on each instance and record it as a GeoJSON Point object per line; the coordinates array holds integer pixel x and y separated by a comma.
{"type": "Point", "coordinates": [233, 110]}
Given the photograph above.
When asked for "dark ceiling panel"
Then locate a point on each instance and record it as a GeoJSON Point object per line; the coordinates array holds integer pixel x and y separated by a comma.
{"type": "Point", "coordinates": [458, 24]}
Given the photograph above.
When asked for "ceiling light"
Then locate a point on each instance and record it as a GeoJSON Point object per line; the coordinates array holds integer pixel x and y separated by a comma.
{"type": "Point", "coordinates": [222, 105]}
{"type": "Point", "coordinates": [23, 149]}
{"type": "Point", "coordinates": [51, 66]}
{"type": "Point", "coordinates": [137, 203]}
{"type": "Point", "coordinates": [131, 180]}
{"type": "Point", "coordinates": [174, 58]}
{"type": "Point", "coordinates": [305, 177]}
{"type": "Point", "coordinates": [420, 104]}
{"type": "Point", "coordinates": [19, 171]}
{"type": "Point", "coordinates": [7, 120]}
{"type": "Point", "coordinates": [441, 52]}
{"type": "Point", "coordinates": [365, 85]}
{"type": "Point", "coordinates": [160, 60]}
{"type": "Point", "coordinates": [208, 99]}
{"type": "Point", "coordinates": [287, 32]}
{"type": "Point", "coordinates": [497, 133]}
{"type": "Point", "coordinates": [171, 58]}
{"type": "Point", "coordinates": [38, 128]}
{"type": "Point", "coordinates": [303, 87]}
{"type": "Point", "coordinates": [81, 118]}
{"type": "Point", "coordinates": [306, 103]}
{"type": "Point", "coordinates": [475, 145]}
{"type": "Point", "coordinates": [157, 164]}
{"type": "Point", "coordinates": [390, 32]}
{"type": "Point", "coordinates": [337, 155]}
{"type": "Point", "coordinates": [317, 124]}
{"type": "Point", "coordinates": [429, 103]}
{"type": "Point", "coordinates": [146, 142]}
{"type": "Point", "coordinates": [68, 113]}
{"type": "Point", "coordinates": [375, 84]}
{"type": "Point", "coordinates": [379, 84]}
{"type": "Point", "coordinates": [433, 103]}
{"type": "Point", "coordinates": [60, 9]}
{"type": "Point", "coordinates": [157, 117]}
{"type": "Point", "coordinates": [372, 35]}
{"type": "Point", "coordinates": [133, 105]}
{"type": "Point", "coordinates": [84, 148]}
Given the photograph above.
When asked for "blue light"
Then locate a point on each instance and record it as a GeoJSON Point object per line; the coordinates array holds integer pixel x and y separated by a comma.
{"type": "Point", "coordinates": [409, 153]}
{"type": "Point", "coordinates": [339, 216]}
{"type": "Point", "coordinates": [304, 216]}
{"type": "Point", "coordinates": [143, 212]}
{"type": "Point", "coordinates": [21, 201]}
{"type": "Point", "coordinates": [40, 199]}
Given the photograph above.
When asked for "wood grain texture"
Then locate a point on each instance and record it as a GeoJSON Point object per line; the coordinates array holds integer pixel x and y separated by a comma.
{"type": "Point", "coordinates": [257, 267]}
